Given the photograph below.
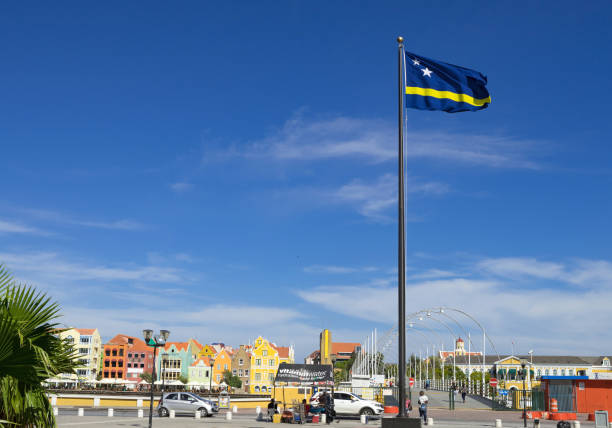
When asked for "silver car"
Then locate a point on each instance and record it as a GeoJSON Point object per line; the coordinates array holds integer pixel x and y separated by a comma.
{"type": "Point", "coordinates": [185, 402]}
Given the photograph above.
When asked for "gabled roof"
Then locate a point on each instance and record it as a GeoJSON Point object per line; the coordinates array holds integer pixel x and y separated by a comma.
{"type": "Point", "coordinates": [283, 351]}
{"type": "Point", "coordinates": [204, 360]}
{"type": "Point", "coordinates": [198, 344]}
{"type": "Point", "coordinates": [86, 331]}
{"type": "Point", "coordinates": [180, 346]}
{"type": "Point", "coordinates": [344, 347]}
{"type": "Point", "coordinates": [124, 339]}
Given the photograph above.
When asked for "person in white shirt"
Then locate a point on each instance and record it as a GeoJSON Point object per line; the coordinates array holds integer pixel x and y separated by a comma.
{"type": "Point", "coordinates": [423, 400]}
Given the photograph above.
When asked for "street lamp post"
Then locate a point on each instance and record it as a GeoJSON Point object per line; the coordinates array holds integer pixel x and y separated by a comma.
{"type": "Point", "coordinates": [164, 364]}
{"type": "Point", "coordinates": [155, 342]}
{"type": "Point", "coordinates": [523, 364]}
{"type": "Point", "coordinates": [212, 365]}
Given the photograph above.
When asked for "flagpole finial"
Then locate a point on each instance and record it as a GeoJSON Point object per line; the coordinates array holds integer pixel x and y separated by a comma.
{"type": "Point", "coordinates": [400, 39]}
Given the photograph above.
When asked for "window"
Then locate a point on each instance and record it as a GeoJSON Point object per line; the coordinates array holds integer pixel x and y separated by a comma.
{"type": "Point", "coordinates": [82, 372]}
{"type": "Point", "coordinates": [108, 352]}
{"type": "Point", "coordinates": [218, 366]}
{"type": "Point", "coordinates": [142, 365]}
{"type": "Point", "coordinates": [240, 361]}
{"type": "Point", "coordinates": [240, 373]}
{"type": "Point", "coordinates": [547, 372]}
{"type": "Point", "coordinates": [83, 351]}
{"type": "Point", "coordinates": [271, 363]}
{"type": "Point", "coordinates": [113, 363]}
{"type": "Point", "coordinates": [83, 362]}
{"type": "Point", "coordinates": [70, 339]}
{"type": "Point", "coordinates": [106, 363]}
{"type": "Point", "coordinates": [264, 353]}
{"type": "Point", "coordinates": [571, 372]}
{"type": "Point", "coordinates": [129, 365]}
{"type": "Point", "coordinates": [264, 389]}
{"type": "Point", "coordinates": [246, 372]}
{"type": "Point", "coordinates": [271, 377]}
{"type": "Point", "coordinates": [85, 339]}
{"type": "Point", "coordinates": [121, 352]}
{"type": "Point", "coordinates": [224, 366]}
{"type": "Point", "coordinates": [120, 363]}
{"type": "Point", "coordinates": [130, 355]}
{"type": "Point", "coordinates": [105, 374]}
{"type": "Point", "coordinates": [256, 389]}
{"type": "Point", "coordinates": [218, 378]}
{"type": "Point", "coordinates": [257, 376]}
{"type": "Point", "coordinates": [235, 372]}
{"type": "Point", "coordinates": [207, 373]}
{"type": "Point", "coordinates": [555, 372]}
{"type": "Point", "coordinates": [562, 372]}
{"type": "Point", "coordinates": [172, 397]}
{"type": "Point", "coordinates": [539, 372]}
{"type": "Point", "coordinates": [114, 352]}
{"type": "Point", "coordinates": [258, 362]}
{"type": "Point", "coordinates": [142, 355]}
{"type": "Point", "coordinates": [606, 362]}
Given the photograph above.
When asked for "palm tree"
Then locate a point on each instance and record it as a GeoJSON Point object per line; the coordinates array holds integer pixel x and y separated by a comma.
{"type": "Point", "coordinates": [30, 352]}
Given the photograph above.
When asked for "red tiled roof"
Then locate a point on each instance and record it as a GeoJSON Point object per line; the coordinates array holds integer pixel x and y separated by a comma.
{"type": "Point", "coordinates": [283, 351]}
{"type": "Point", "coordinates": [85, 331]}
{"type": "Point", "coordinates": [343, 347]}
{"type": "Point", "coordinates": [460, 340]}
{"type": "Point", "coordinates": [180, 346]}
{"type": "Point", "coordinates": [198, 344]}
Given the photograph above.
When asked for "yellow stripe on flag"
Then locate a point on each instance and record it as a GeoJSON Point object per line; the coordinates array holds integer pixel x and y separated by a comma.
{"type": "Point", "coordinates": [460, 98]}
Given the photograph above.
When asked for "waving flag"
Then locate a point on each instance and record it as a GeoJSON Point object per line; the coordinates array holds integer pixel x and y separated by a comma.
{"type": "Point", "coordinates": [435, 85]}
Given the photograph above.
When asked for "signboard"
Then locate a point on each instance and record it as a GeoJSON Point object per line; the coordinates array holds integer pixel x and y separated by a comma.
{"type": "Point", "coordinates": [224, 401]}
{"type": "Point", "coordinates": [503, 392]}
{"type": "Point", "coordinates": [307, 373]}
{"type": "Point", "coordinates": [493, 382]}
{"type": "Point", "coordinates": [411, 382]}
{"type": "Point", "coordinates": [377, 380]}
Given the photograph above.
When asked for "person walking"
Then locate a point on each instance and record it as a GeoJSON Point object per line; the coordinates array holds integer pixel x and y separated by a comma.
{"type": "Point", "coordinates": [271, 409]}
{"type": "Point", "coordinates": [423, 401]}
{"type": "Point", "coordinates": [463, 393]}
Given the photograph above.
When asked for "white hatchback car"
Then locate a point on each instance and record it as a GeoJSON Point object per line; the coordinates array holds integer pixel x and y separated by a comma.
{"type": "Point", "coordinates": [348, 404]}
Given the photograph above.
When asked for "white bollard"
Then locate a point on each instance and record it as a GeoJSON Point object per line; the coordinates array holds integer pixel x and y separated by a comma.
{"type": "Point", "coordinates": [258, 409]}
{"type": "Point", "coordinates": [81, 411]}
{"type": "Point", "coordinates": [323, 418]}
{"type": "Point", "coordinates": [140, 413]}
{"type": "Point", "coordinates": [228, 416]}
{"type": "Point", "coordinates": [576, 424]}
{"type": "Point", "coordinates": [198, 414]}
{"type": "Point", "coordinates": [111, 412]}
{"type": "Point", "coordinates": [364, 419]}
{"type": "Point", "coordinates": [96, 401]}
{"type": "Point", "coordinates": [429, 421]}
{"type": "Point", "coordinates": [55, 411]}
{"type": "Point", "coordinates": [498, 423]}
{"type": "Point", "coordinates": [235, 409]}
{"type": "Point", "coordinates": [172, 413]}
{"type": "Point", "coordinates": [54, 400]}
{"type": "Point", "coordinates": [139, 403]}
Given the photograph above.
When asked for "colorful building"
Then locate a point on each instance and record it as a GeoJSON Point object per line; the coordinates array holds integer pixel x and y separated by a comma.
{"type": "Point", "coordinates": [207, 351]}
{"type": "Point", "coordinates": [265, 358]}
{"type": "Point", "coordinates": [223, 363]}
{"type": "Point", "coordinates": [199, 372]}
{"type": "Point", "coordinates": [87, 346]}
{"type": "Point", "coordinates": [126, 358]}
{"type": "Point", "coordinates": [180, 356]}
{"type": "Point", "coordinates": [241, 365]}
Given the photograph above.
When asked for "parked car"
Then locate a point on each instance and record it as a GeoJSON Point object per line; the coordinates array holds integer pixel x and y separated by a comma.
{"type": "Point", "coordinates": [348, 404]}
{"type": "Point", "coordinates": [185, 402]}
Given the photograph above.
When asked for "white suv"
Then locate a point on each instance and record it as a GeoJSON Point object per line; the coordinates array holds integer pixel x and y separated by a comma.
{"type": "Point", "coordinates": [349, 404]}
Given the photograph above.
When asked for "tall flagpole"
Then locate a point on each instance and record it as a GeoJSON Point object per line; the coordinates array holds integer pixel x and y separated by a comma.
{"type": "Point", "coordinates": [401, 239]}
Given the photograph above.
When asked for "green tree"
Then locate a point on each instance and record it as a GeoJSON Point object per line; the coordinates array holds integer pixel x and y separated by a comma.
{"type": "Point", "coordinates": [183, 379]}
{"type": "Point", "coordinates": [30, 352]}
{"type": "Point", "coordinates": [232, 380]}
{"type": "Point", "coordinates": [147, 377]}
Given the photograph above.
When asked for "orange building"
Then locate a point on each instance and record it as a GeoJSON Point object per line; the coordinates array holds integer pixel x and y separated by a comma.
{"type": "Point", "coordinates": [126, 358]}
{"type": "Point", "coordinates": [223, 362]}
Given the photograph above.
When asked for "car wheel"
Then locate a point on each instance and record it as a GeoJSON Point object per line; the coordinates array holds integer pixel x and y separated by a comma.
{"type": "Point", "coordinates": [366, 411]}
{"type": "Point", "coordinates": [203, 412]}
{"type": "Point", "coordinates": [163, 412]}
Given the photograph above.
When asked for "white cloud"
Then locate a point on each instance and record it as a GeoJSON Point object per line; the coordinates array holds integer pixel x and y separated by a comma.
{"type": "Point", "coordinates": [338, 269]}
{"type": "Point", "coordinates": [62, 218]}
{"type": "Point", "coordinates": [50, 266]}
{"type": "Point", "coordinates": [374, 140]}
{"type": "Point", "coordinates": [515, 266]}
{"type": "Point", "coordinates": [374, 199]}
{"type": "Point", "coordinates": [11, 227]}
{"type": "Point", "coordinates": [181, 186]}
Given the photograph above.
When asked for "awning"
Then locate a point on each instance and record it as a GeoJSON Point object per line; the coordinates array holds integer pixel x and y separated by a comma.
{"type": "Point", "coordinates": [304, 373]}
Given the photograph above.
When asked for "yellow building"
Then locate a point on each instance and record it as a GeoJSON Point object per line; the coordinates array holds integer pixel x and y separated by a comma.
{"type": "Point", "coordinates": [88, 348]}
{"type": "Point", "coordinates": [208, 352]}
{"type": "Point", "coordinates": [265, 359]}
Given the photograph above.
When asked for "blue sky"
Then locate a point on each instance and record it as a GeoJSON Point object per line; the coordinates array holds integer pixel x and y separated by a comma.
{"type": "Point", "coordinates": [227, 169]}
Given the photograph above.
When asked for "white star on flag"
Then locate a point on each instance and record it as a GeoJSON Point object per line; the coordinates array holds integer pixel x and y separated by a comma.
{"type": "Point", "coordinates": [426, 72]}
{"type": "Point", "coordinates": [416, 62]}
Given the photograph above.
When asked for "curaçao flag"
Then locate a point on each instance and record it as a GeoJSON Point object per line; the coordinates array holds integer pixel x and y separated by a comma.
{"type": "Point", "coordinates": [435, 85]}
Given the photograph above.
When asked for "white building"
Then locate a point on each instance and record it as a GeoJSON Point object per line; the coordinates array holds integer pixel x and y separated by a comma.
{"type": "Point", "coordinates": [88, 348]}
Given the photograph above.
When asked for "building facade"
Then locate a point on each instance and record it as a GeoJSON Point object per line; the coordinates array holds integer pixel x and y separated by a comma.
{"type": "Point", "coordinates": [200, 371]}
{"type": "Point", "coordinates": [241, 365]}
{"type": "Point", "coordinates": [126, 358]}
{"type": "Point", "coordinates": [179, 357]}
{"type": "Point", "coordinates": [223, 363]}
{"type": "Point", "coordinates": [265, 359]}
{"type": "Point", "coordinates": [88, 347]}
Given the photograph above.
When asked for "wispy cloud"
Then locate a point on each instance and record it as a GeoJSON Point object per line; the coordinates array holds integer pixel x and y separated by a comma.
{"type": "Point", "coordinates": [303, 139]}
{"type": "Point", "coordinates": [338, 269]}
{"type": "Point", "coordinates": [18, 228]}
{"type": "Point", "coordinates": [374, 199]}
{"type": "Point", "coordinates": [51, 266]}
{"type": "Point", "coordinates": [181, 186]}
{"type": "Point", "coordinates": [62, 218]}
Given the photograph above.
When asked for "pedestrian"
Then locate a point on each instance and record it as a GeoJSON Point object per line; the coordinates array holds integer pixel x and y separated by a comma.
{"type": "Point", "coordinates": [463, 393]}
{"type": "Point", "coordinates": [271, 409]}
{"type": "Point", "coordinates": [423, 400]}
{"type": "Point", "coordinates": [408, 406]}
{"type": "Point", "coordinates": [427, 385]}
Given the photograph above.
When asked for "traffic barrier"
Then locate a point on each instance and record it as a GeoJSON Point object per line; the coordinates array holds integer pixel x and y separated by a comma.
{"type": "Point", "coordinates": [553, 405]}
{"type": "Point", "coordinates": [576, 424]}
{"type": "Point", "coordinates": [111, 412]}
{"type": "Point", "coordinates": [323, 418]}
{"type": "Point", "coordinates": [140, 413]}
{"type": "Point", "coordinates": [228, 416]}
{"type": "Point", "coordinates": [562, 416]}
{"type": "Point", "coordinates": [172, 414]}
{"type": "Point", "coordinates": [498, 423]}
{"type": "Point", "coordinates": [258, 409]}
{"type": "Point", "coordinates": [391, 409]}
{"type": "Point", "coordinates": [96, 401]}
{"type": "Point", "coordinates": [80, 412]}
{"type": "Point", "coordinates": [429, 421]}
{"type": "Point", "coordinates": [54, 401]}
{"type": "Point", "coordinates": [235, 409]}
{"type": "Point", "coordinates": [138, 402]}
{"type": "Point", "coordinates": [198, 414]}
{"type": "Point", "coordinates": [364, 419]}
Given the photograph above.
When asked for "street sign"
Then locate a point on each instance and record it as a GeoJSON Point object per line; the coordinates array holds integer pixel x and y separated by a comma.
{"type": "Point", "coordinates": [493, 382]}
{"type": "Point", "coordinates": [411, 382]}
